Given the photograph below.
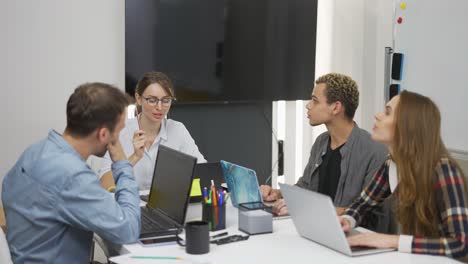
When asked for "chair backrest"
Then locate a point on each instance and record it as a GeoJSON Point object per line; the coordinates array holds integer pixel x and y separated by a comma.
{"type": "Point", "coordinates": [5, 256]}
{"type": "Point", "coordinates": [463, 165]}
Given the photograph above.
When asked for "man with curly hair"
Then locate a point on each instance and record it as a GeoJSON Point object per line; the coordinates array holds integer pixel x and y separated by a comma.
{"type": "Point", "coordinates": [344, 158]}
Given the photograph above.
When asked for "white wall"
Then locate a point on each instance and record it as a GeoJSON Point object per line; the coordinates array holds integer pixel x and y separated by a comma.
{"type": "Point", "coordinates": [48, 48]}
{"type": "Point", "coordinates": [377, 35]}
{"type": "Point", "coordinates": [351, 39]}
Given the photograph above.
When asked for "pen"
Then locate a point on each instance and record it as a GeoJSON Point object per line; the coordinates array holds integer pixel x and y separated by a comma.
{"type": "Point", "coordinates": [220, 235]}
{"type": "Point", "coordinates": [137, 116]}
{"type": "Point", "coordinates": [155, 257]}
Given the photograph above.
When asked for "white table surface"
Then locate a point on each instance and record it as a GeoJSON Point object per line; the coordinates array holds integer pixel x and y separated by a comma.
{"type": "Point", "coordinates": [284, 245]}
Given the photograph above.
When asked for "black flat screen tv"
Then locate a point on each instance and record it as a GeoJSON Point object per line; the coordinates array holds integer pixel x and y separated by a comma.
{"type": "Point", "coordinates": [224, 50]}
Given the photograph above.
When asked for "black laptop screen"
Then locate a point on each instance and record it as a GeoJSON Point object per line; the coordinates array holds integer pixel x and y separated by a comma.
{"type": "Point", "coordinates": [172, 180]}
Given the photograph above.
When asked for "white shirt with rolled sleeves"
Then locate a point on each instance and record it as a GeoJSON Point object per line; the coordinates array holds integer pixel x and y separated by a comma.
{"type": "Point", "coordinates": [173, 134]}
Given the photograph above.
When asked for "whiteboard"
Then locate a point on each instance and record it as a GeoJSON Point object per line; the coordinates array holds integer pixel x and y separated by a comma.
{"type": "Point", "coordinates": [434, 40]}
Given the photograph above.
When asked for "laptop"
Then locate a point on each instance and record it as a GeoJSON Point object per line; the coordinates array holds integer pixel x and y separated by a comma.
{"type": "Point", "coordinates": [164, 214]}
{"type": "Point", "coordinates": [244, 189]}
{"type": "Point", "coordinates": [206, 172]}
{"type": "Point", "coordinates": [318, 220]}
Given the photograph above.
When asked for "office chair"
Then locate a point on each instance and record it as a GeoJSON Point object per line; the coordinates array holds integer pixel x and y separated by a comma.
{"type": "Point", "coordinates": [5, 256]}
{"type": "Point", "coordinates": [98, 242]}
{"type": "Point", "coordinates": [463, 165]}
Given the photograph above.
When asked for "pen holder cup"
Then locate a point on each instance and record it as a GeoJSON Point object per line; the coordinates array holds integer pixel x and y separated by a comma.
{"type": "Point", "coordinates": [215, 216]}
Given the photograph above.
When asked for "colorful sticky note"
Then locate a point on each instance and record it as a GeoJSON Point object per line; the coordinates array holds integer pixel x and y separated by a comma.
{"type": "Point", "coordinates": [196, 189]}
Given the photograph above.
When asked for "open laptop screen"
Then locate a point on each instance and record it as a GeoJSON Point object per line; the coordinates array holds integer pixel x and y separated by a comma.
{"type": "Point", "coordinates": [242, 183]}
{"type": "Point", "coordinates": [172, 180]}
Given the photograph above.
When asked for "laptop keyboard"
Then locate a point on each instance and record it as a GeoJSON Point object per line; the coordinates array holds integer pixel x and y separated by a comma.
{"type": "Point", "coordinates": [360, 248]}
{"type": "Point", "coordinates": [148, 225]}
{"type": "Point", "coordinates": [152, 221]}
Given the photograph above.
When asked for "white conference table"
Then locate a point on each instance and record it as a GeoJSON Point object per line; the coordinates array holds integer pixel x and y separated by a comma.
{"type": "Point", "coordinates": [284, 245]}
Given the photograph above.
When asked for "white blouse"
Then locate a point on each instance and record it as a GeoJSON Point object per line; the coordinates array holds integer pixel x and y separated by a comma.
{"type": "Point", "coordinates": [173, 134]}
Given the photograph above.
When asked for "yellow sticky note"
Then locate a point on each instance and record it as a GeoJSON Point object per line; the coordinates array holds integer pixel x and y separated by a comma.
{"type": "Point", "coordinates": [196, 189]}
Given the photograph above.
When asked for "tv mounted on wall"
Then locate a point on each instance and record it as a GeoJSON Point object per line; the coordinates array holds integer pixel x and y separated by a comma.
{"type": "Point", "coordinates": [224, 50]}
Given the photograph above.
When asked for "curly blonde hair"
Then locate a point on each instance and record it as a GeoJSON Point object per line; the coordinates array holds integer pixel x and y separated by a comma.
{"type": "Point", "coordinates": [342, 88]}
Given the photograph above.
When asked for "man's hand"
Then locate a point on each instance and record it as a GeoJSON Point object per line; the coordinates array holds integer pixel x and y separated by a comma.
{"type": "Point", "coordinates": [374, 240]}
{"type": "Point", "coordinates": [269, 194]}
{"type": "Point", "coordinates": [280, 208]}
{"type": "Point", "coordinates": [116, 151]}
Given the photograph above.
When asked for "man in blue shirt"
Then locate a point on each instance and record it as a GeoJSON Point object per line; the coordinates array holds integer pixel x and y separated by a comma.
{"type": "Point", "coordinates": [54, 202]}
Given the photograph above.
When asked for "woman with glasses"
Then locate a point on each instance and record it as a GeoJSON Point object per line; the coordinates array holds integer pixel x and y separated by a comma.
{"type": "Point", "coordinates": [425, 185]}
{"type": "Point", "coordinates": [142, 135]}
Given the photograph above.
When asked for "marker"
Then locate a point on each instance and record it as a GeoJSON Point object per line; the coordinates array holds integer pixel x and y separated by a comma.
{"type": "Point", "coordinates": [215, 198]}
{"type": "Point", "coordinates": [205, 194]}
{"type": "Point", "coordinates": [209, 199]}
{"type": "Point", "coordinates": [221, 198]}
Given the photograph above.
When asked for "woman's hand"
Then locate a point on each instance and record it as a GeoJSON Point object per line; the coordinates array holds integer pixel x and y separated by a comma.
{"type": "Point", "coordinates": [139, 139]}
{"type": "Point", "coordinates": [340, 210]}
{"type": "Point", "coordinates": [374, 240]}
{"type": "Point", "coordinates": [345, 224]}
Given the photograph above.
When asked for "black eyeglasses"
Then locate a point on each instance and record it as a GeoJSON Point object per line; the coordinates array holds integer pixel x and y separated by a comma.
{"type": "Point", "coordinates": [154, 101]}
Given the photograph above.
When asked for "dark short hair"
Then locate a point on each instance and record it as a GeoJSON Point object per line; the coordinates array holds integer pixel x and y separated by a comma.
{"type": "Point", "coordinates": [155, 77]}
{"type": "Point", "coordinates": [94, 105]}
{"type": "Point", "coordinates": [342, 88]}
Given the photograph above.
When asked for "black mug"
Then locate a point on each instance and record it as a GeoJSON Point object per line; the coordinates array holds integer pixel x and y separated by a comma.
{"type": "Point", "coordinates": [197, 238]}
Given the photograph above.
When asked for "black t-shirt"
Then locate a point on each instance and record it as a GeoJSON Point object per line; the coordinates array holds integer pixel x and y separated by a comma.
{"type": "Point", "coordinates": [330, 171]}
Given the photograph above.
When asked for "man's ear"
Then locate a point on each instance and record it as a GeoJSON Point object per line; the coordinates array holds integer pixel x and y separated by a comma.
{"type": "Point", "coordinates": [337, 107]}
{"type": "Point", "coordinates": [103, 134]}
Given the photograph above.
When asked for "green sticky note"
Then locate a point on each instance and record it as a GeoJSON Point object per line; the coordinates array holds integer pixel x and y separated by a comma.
{"type": "Point", "coordinates": [196, 189]}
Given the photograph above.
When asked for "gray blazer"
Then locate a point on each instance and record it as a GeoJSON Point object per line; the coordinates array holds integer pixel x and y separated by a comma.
{"type": "Point", "coordinates": [361, 157]}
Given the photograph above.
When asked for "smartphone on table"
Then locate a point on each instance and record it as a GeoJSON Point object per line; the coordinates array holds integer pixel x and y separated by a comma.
{"type": "Point", "coordinates": [158, 241]}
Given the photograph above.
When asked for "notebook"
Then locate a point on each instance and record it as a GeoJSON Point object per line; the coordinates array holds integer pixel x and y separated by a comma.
{"type": "Point", "coordinates": [164, 214]}
{"type": "Point", "coordinates": [314, 217]}
{"type": "Point", "coordinates": [243, 187]}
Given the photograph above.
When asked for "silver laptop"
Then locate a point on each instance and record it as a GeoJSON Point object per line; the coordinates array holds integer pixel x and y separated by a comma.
{"type": "Point", "coordinates": [318, 220]}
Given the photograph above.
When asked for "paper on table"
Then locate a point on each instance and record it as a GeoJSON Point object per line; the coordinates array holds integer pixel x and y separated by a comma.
{"type": "Point", "coordinates": [127, 259]}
